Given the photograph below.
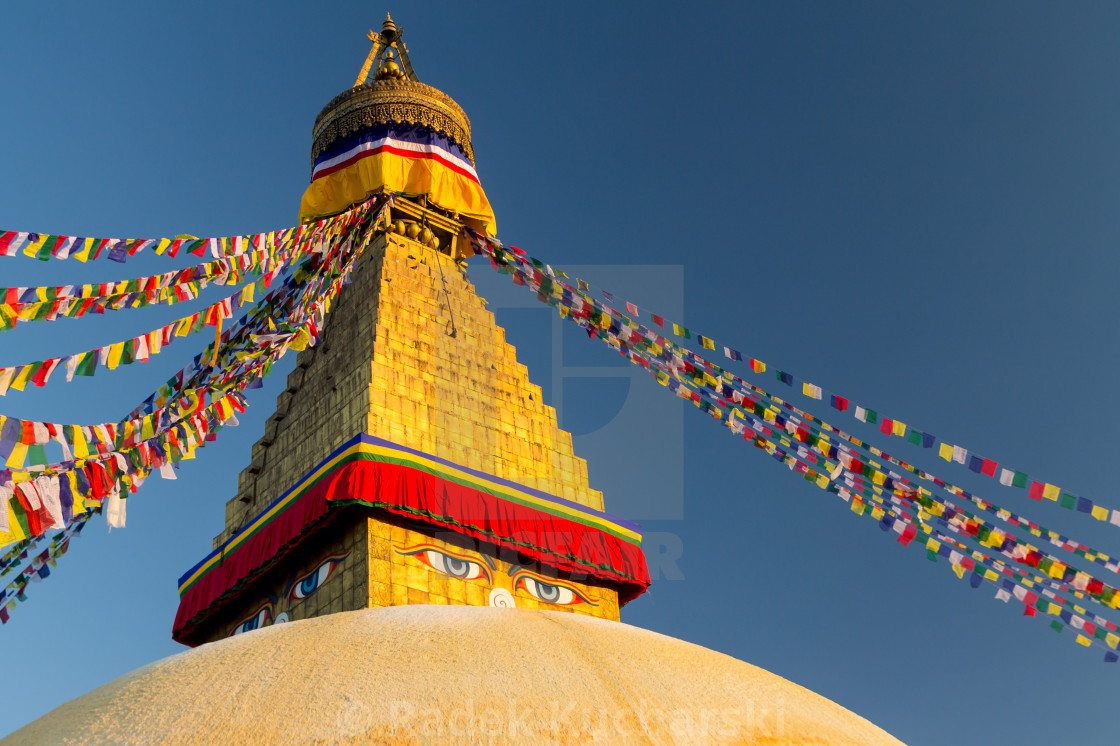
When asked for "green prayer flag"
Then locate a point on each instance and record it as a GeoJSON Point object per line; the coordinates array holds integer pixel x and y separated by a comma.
{"type": "Point", "coordinates": [1068, 501]}
{"type": "Point", "coordinates": [45, 250]}
{"type": "Point", "coordinates": [36, 454]}
{"type": "Point", "coordinates": [1056, 625]}
{"type": "Point", "coordinates": [1019, 480]}
{"type": "Point", "coordinates": [915, 437]}
{"type": "Point", "coordinates": [42, 310]}
{"type": "Point", "coordinates": [87, 364]}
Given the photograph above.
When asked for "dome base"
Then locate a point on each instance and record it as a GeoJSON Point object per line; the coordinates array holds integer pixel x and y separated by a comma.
{"type": "Point", "coordinates": [437, 674]}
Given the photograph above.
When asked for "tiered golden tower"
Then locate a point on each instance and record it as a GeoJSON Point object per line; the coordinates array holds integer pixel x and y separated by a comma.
{"type": "Point", "coordinates": [412, 360]}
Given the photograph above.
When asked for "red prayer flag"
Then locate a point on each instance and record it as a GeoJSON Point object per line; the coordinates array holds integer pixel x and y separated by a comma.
{"type": "Point", "coordinates": [886, 426]}
{"type": "Point", "coordinates": [1036, 491]}
{"type": "Point", "coordinates": [907, 535]}
{"type": "Point", "coordinates": [6, 240]}
{"type": "Point", "coordinates": [988, 467]}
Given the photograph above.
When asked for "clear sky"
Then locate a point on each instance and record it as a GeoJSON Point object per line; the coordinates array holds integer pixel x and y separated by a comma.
{"type": "Point", "coordinates": [910, 204]}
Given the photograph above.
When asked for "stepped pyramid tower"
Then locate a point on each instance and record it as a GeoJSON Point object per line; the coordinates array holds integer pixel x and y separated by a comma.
{"type": "Point", "coordinates": [417, 515]}
{"type": "Point", "coordinates": [410, 459]}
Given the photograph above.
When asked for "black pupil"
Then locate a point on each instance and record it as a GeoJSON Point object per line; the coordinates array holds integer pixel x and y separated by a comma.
{"type": "Point", "coordinates": [456, 567]}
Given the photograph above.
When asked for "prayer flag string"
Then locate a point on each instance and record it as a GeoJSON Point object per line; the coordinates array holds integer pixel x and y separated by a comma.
{"type": "Point", "coordinates": [1036, 578]}
{"type": "Point", "coordinates": [891, 426]}
{"type": "Point", "coordinates": [64, 495]}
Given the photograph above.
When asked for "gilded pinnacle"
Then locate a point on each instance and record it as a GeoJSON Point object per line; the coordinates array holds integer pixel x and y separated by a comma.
{"type": "Point", "coordinates": [388, 28]}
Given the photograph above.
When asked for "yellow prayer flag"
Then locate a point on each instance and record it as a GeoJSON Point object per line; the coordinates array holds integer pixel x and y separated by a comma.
{"type": "Point", "coordinates": [807, 389]}
{"type": "Point", "coordinates": [768, 415]}
{"type": "Point", "coordinates": [19, 380]}
{"type": "Point", "coordinates": [163, 245]}
{"type": "Point", "coordinates": [877, 512]}
{"type": "Point", "coordinates": [1101, 514]}
{"type": "Point", "coordinates": [247, 292]}
{"type": "Point", "coordinates": [115, 351]}
{"type": "Point", "coordinates": [78, 440]}
{"type": "Point", "coordinates": [17, 456]}
{"type": "Point", "coordinates": [898, 428]}
{"type": "Point", "coordinates": [958, 570]}
{"type": "Point", "coordinates": [933, 544]}
{"type": "Point", "coordinates": [300, 340]}
{"type": "Point", "coordinates": [79, 501]}
{"type": "Point", "coordinates": [32, 247]}
{"type": "Point", "coordinates": [1053, 609]}
{"type": "Point", "coordinates": [822, 481]}
{"type": "Point", "coordinates": [1083, 640]}
{"type": "Point", "coordinates": [15, 531]}
{"type": "Point", "coordinates": [185, 325]}
{"type": "Point", "coordinates": [1112, 640]}
{"type": "Point", "coordinates": [155, 341]}
{"type": "Point", "coordinates": [878, 477]}
{"type": "Point", "coordinates": [945, 451]}
{"type": "Point", "coordinates": [82, 255]}
{"type": "Point", "coordinates": [1057, 570]}
{"type": "Point", "coordinates": [1051, 491]}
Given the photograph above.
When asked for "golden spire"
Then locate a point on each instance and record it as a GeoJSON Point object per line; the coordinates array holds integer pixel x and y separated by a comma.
{"type": "Point", "coordinates": [388, 38]}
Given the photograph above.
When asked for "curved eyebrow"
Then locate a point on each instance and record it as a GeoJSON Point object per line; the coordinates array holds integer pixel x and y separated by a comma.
{"type": "Point", "coordinates": [464, 550]}
{"type": "Point", "coordinates": [513, 569]}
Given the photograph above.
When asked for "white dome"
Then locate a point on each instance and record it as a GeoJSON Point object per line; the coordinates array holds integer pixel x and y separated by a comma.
{"type": "Point", "coordinates": [438, 674]}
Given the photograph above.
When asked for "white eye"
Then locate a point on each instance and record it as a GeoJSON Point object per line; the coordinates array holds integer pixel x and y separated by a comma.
{"type": "Point", "coordinates": [453, 566]}
{"type": "Point", "coordinates": [309, 583]}
{"type": "Point", "coordinates": [549, 593]}
{"type": "Point", "coordinates": [254, 622]}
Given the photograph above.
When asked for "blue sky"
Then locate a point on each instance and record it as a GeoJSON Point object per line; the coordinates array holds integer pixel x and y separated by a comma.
{"type": "Point", "coordinates": [913, 205]}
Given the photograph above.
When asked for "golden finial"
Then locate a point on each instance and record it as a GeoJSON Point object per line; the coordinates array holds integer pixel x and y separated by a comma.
{"type": "Point", "coordinates": [389, 68]}
{"type": "Point", "coordinates": [388, 37]}
{"type": "Point", "coordinates": [388, 29]}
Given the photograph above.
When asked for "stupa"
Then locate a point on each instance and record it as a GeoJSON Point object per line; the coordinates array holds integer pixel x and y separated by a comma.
{"type": "Point", "coordinates": [419, 521]}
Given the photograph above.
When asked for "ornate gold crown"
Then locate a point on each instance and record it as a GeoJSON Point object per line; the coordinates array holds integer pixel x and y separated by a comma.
{"type": "Point", "coordinates": [388, 101]}
{"type": "Point", "coordinates": [393, 96]}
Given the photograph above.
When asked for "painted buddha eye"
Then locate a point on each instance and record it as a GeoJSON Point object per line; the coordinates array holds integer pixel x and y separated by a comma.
{"type": "Point", "coordinates": [256, 621]}
{"type": "Point", "coordinates": [311, 582]}
{"type": "Point", "coordinates": [454, 565]}
{"type": "Point", "coordinates": [555, 592]}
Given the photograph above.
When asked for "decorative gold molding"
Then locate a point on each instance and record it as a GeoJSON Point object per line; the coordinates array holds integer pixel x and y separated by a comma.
{"type": "Point", "coordinates": [385, 101]}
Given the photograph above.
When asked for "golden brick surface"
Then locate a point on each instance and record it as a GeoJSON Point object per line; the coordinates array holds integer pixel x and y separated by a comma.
{"type": "Point", "coordinates": [410, 354]}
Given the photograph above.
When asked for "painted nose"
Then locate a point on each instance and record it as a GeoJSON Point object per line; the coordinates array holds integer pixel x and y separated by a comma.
{"type": "Point", "coordinates": [502, 599]}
